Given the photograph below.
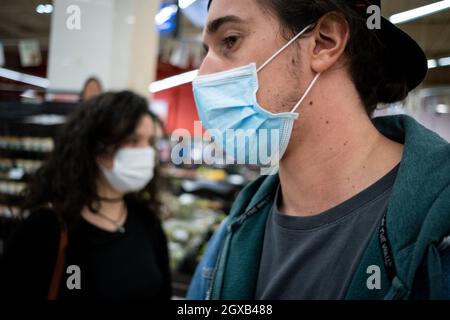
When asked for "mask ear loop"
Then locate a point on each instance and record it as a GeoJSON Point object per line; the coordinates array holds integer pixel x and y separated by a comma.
{"type": "Point", "coordinates": [313, 82]}
{"type": "Point", "coordinates": [283, 48]}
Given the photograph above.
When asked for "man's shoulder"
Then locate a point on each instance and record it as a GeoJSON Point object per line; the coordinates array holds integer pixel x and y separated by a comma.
{"type": "Point", "coordinates": [254, 193]}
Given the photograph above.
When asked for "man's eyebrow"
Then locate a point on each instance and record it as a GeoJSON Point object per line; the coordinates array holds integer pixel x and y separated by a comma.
{"type": "Point", "coordinates": [214, 25]}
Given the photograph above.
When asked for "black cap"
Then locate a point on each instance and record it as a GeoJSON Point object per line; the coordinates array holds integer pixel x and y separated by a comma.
{"type": "Point", "coordinates": [403, 55]}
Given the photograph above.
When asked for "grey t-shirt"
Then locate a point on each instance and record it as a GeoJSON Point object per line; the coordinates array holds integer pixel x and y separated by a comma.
{"type": "Point", "coordinates": [314, 258]}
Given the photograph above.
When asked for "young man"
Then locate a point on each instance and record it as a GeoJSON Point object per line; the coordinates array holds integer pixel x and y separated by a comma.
{"type": "Point", "coordinates": [360, 208]}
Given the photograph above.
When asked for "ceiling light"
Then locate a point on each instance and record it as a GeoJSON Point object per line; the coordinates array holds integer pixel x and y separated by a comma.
{"type": "Point", "coordinates": [438, 62]}
{"type": "Point", "coordinates": [419, 12]}
{"type": "Point", "coordinates": [173, 81]}
{"type": "Point", "coordinates": [44, 8]}
{"type": "Point", "coordinates": [165, 14]}
{"type": "Point", "coordinates": [442, 109]}
{"type": "Point", "coordinates": [432, 63]}
{"type": "Point", "coordinates": [183, 4]}
{"type": "Point", "coordinates": [444, 62]}
{"type": "Point", "coordinates": [25, 78]}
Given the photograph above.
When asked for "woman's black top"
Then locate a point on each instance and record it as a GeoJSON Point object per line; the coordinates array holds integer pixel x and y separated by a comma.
{"type": "Point", "coordinates": [111, 265]}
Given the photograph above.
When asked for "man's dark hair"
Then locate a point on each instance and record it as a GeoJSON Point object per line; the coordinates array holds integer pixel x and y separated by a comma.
{"type": "Point", "coordinates": [369, 64]}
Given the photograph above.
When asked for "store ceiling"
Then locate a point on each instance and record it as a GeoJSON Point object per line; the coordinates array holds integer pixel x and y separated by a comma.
{"type": "Point", "coordinates": [432, 32]}
{"type": "Point", "coordinates": [19, 20]}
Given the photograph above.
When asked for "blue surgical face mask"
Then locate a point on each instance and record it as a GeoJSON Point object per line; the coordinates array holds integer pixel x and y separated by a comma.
{"type": "Point", "coordinates": [228, 108]}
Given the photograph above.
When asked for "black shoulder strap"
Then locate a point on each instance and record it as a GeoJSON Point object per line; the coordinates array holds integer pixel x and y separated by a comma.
{"type": "Point", "coordinates": [386, 249]}
{"type": "Point", "coordinates": [55, 281]}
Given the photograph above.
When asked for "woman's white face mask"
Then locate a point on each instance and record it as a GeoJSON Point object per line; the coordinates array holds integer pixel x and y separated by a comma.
{"type": "Point", "coordinates": [133, 169]}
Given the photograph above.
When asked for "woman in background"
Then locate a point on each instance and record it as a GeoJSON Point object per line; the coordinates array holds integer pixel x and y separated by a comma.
{"type": "Point", "coordinates": [91, 89]}
{"type": "Point", "coordinates": [100, 185]}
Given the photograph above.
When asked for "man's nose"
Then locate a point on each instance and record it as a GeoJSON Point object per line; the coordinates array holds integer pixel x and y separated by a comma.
{"type": "Point", "coordinates": [211, 64]}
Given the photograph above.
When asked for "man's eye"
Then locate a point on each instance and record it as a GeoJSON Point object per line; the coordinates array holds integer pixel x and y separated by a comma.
{"type": "Point", "coordinates": [230, 42]}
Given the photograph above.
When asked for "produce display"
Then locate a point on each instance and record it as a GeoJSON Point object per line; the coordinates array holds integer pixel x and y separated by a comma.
{"type": "Point", "coordinates": [188, 229]}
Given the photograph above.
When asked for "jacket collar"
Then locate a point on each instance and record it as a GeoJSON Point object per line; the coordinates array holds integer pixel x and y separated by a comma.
{"type": "Point", "coordinates": [423, 174]}
{"type": "Point", "coordinates": [424, 153]}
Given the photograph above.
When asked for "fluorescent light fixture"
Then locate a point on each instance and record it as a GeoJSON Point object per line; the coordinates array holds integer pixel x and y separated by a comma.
{"type": "Point", "coordinates": [432, 63]}
{"type": "Point", "coordinates": [419, 12]}
{"type": "Point", "coordinates": [174, 81]}
{"type": "Point", "coordinates": [44, 8]}
{"type": "Point", "coordinates": [436, 63]}
{"type": "Point", "coordinates": [183, 4]}
{"type": "Point", "coordinates": [49, 8]}
{"type": "Point", "coordinates": [444, 62]}
{"type": "Point", "coordinates": [46, 119]}
{"type": "Point", "coordinates": [25, 78]}
{"type": "Point", "coordinates": [442, 109]}
{"type": "Point", "coordinates": [40, 8]}
{"type": "Point", "coordinates": [165, 14]}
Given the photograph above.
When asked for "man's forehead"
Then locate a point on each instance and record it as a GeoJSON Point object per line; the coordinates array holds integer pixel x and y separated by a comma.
{"type": "Point", "coordinates": [238, 8]}
{"type": "Point", "coordinates": [223, 5]}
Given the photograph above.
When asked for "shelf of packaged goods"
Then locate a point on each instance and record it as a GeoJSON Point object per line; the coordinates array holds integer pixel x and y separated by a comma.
{"type": "Point", "coordinates": [9, 212]}
{"type": "Point", "coordinates": [22, 129]}
{"type": "Point", "coordinates": [10, 199]}
{"type": "Point", "coordinates": [14, 110]}
{"type": "Point", "coordinates": [5, 177]}
{"type": "Point", "coordinates": [23, 154]}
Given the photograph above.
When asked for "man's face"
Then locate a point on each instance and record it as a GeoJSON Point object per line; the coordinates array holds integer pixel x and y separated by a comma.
{"type": "Point", "coordinates": [239, 32]}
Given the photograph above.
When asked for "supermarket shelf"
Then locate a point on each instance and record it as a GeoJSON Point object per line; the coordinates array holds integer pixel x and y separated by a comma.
{"type": "Point", "coordinates": [17, 110]}
{"type": "Point", "coordinates": [9, 212]}
{"type": "Point", "coordinates": [25, 178]}
{"type": "Point", "coordinates": [7, 227]}
{"type": "Point", "coordinates": [10, 200]}
{"type": "Point", "coordinates": [18, 128]}
{"type": "Point", "coordinates": [24, 154]}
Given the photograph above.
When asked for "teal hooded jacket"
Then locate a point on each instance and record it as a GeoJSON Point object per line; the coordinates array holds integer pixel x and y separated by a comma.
{"type": "Point", "coordinates": [411, 245]}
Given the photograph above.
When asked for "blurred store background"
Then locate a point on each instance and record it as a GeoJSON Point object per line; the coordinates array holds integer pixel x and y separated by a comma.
{"type": "Point", "coordinates": [48, 49]}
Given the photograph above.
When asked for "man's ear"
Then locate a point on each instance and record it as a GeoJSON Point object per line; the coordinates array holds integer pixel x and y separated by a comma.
{"type": "Point", "coordinates": [330, 38]}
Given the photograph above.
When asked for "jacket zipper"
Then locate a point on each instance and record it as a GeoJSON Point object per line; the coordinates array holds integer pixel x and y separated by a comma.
{"type": "Point", "coordinates": [210, 289]}
{"type": "Point", "coordinates": [231, 228]}
{"type": "Point", "coordinates": [211, 285]}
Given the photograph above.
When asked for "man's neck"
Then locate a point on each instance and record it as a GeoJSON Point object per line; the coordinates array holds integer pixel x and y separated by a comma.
{"type": "Point", "coordinates": [333, 156]}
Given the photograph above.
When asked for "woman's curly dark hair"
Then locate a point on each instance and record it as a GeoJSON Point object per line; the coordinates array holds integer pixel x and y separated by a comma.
{"type": "Point", "coordinates": [68, 179]}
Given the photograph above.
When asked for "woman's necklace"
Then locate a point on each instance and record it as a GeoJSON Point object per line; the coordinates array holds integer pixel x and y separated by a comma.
{"type": "Point", "coordinates": [120, 226]}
